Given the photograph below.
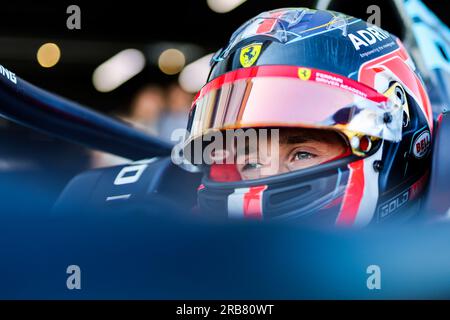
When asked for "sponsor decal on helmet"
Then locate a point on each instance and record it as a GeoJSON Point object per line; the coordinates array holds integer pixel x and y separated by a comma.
{"type": "Point", "coordinates": [388, 208]}
{"type": "Point", "coordinates": [249, 54]}
{"type": "Point", "coordinates": [304, 73]}
{"type": "Point", "coordinates": [367, 37]}
{"type": "Point", "coordinates": [392, 206]}
{"type": "Point", "coordinates": [421, 144]}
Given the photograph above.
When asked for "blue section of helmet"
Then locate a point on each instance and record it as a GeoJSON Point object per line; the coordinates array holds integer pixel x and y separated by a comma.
{"type": "Point", "coordinates": [313, 38]}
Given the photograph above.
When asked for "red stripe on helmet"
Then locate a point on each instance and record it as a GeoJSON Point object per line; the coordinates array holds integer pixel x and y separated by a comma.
{"type": "Point", "coordinates": [353, 194]}
{"type": "Point", "coordinates": [439, 118]}
{"type": "Point", "coordinates": [269, 23]}
{"type": "Point", "coordinates": [253, 202]}
{"type": "Point", "coordinates": [289, 72]}
{"type": "Point", "coordinates": [416, 189]}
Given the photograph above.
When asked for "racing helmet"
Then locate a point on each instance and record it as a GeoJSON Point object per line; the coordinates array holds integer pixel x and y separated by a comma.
{"type": "Point", "coordinates": [315, 73]}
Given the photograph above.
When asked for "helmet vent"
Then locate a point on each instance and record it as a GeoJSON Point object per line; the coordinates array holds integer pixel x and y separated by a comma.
{"type": "Point", "coordinates": [282, 197]}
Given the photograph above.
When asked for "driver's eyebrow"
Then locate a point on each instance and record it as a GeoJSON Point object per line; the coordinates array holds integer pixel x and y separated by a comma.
{"type": "Point", "coordinates": [299, 139]}
{"type": "Point", "coordinates": [287, 140]}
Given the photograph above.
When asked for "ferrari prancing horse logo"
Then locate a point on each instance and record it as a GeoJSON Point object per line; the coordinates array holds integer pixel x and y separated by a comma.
{"type": "Point", "coordinates": [249, 54]}
{"type": "Point", "coordinates": [304, 73]}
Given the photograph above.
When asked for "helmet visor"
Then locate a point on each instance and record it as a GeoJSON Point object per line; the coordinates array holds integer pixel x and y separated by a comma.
{"type": "Point", "coordinates": [288, 96]}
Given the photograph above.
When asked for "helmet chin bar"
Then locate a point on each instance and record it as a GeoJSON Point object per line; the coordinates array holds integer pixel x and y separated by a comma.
{"type": "Point", "coordinates": [289, 195]}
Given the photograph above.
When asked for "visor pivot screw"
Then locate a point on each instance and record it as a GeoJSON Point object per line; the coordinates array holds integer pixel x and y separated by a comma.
{"type": "Point", "coordinates": [355, 142]}
{"type": "Point", "coordinates": [365, 144]}
{"type": "Point", "coordinates": [378, 165]}
{"type": "Point", "coordinates": [400, 95]}
{"type": "Point", "coordinates": [387, 117]}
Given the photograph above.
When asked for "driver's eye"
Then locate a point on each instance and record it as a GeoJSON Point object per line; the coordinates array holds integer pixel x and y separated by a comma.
{"type": "Point", "coordinates": [252, 166]}
{"type": "Point", "coordinates": [303, 155]}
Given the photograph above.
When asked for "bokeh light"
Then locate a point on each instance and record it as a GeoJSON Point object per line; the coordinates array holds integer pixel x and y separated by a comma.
{"type": "Point", "coordinates": [48, 55]}
{"type": "Point", "coordinates": [171, 61]}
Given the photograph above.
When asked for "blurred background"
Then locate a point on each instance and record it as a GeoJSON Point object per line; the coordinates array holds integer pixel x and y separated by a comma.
{"type": "Point", "coordinates": [139, 61]}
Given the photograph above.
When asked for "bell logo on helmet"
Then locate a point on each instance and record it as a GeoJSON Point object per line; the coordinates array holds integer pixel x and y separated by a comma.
{"type": "Point", "coordinates": [304, 73]}
{"type": "Point", "coordinates": [421, 144]}
{"type": "Point", "coordinates": [249, 54]}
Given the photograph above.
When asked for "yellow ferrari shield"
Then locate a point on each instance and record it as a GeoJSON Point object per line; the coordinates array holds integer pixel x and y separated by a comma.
{"type": "Point", "coordinates": [304, 73]}
{"type": "Point", "coordinates": [249, 54]}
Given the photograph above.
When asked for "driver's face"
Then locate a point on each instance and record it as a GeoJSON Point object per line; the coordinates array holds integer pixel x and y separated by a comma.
{"type": "Point", "coordinates": [298, 149]}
